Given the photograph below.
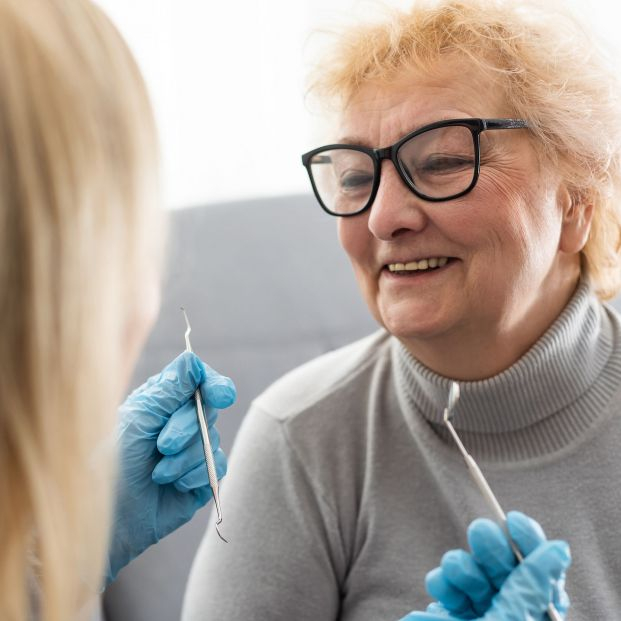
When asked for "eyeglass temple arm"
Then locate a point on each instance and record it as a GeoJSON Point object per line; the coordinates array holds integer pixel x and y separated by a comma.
{"type": "Point", "coordinates": [504, 124]}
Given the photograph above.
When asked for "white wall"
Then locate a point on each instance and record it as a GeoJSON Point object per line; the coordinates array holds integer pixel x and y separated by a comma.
{"type": "Point", "coordinates": [227, 82]}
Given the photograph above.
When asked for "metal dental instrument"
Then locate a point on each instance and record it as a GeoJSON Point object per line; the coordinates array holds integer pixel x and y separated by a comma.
{"type": "Point", "coordinates": [202, 423]}
{"type": "Point", "coordinates": [483, 485]}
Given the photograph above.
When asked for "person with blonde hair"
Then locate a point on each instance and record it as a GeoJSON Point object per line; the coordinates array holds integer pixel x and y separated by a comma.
{"type": "Point", "coordinates": [81, 240]}
{"type": "Point", "coordinates": [474, 171]}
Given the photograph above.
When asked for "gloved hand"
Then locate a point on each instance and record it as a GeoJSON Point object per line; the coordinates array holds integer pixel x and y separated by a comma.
{"type": "Point", "coordinates": [487, 585]}
{"type": "Point", "coordinates": [163, 477]}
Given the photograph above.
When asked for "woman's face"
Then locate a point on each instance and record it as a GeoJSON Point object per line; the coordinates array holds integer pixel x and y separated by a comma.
{"type": "Point", "coordinates": [510, 251]}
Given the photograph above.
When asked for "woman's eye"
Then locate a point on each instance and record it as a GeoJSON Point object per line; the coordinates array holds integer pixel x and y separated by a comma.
{"type": "Point", "coordinates": [355, 180]}
{"type": "Point", "coordinates": [444, 164]}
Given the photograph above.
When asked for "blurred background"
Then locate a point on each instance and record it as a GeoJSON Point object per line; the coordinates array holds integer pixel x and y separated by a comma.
{"type": "Point", "coordinates": [227, 83]}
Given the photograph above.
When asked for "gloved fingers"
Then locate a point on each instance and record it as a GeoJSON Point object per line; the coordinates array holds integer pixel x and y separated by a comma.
{"type": "Point", "coordinates": [448, 595]}
{"type": "Point", "coordinates": [198, 477]}
{"type": "Point", "coordinates": [427, 616]}
{"type": "Point", "coordinates": [560, 597]}
{"type": "Point", "coordinates": [182, 428]}
{"type": "Point", "coordinates": [170, 468]}
{"type": "Point", "coordinates": [525, 532]}
{"type": "Point", "coordinates": [201, 495]}
{"type": "Point", "coordinates": [548, 562]}
{"type": "Point", "coordinates": [180, 507]}
{"type": "Point", "coordinates": [166, 392]}
{"type": "Point", "coordinates": [218, 391]}
{"type": "Point", "coordinates": [528, 591]}
{"type": "Point", "coordinates": [528, 534]}
{"type": "Point", "coordinates": [462, 571]}
{"type": "Point", "coordinates": [491, 550]}
{"type": "Point", "coordinates": [439, 611]}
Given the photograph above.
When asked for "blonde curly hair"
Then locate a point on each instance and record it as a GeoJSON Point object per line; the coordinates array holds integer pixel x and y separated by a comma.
{"type": "Point", "coordinates": [554, 74]}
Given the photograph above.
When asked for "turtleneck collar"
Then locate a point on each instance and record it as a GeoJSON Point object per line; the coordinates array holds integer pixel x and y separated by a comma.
{"type": "Point", "coordinates": [540, 403]}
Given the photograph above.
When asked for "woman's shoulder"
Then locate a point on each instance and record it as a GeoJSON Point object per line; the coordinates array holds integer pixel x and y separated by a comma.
{"type": "Point", "coordinates": [327, 377]}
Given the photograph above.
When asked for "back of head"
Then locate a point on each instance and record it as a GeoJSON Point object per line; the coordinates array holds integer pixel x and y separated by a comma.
{"type": "Point", "coordinates": [551, 70]}
{"type": "Point", "coordinates": [79, 221]}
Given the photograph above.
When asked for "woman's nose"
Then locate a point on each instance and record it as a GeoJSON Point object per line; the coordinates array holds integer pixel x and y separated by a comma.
{"type": "Point", "coordinates": [396, 209]}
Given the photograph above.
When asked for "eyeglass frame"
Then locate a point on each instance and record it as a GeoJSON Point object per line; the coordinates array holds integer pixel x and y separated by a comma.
{"type": "Point", "coordinates": [476, 126]}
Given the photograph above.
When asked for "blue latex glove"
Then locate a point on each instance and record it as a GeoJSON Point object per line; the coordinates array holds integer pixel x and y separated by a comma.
{"type": "Point", "coordinates": [487, 585]}
{"type": "Point", "coordinates": [163, 477]}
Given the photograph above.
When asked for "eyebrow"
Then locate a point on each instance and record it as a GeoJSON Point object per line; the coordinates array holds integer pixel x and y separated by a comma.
{"type": "Point", "coordinates": [365, 143]}
{"type": "Point", "coordinates": [356, 141]}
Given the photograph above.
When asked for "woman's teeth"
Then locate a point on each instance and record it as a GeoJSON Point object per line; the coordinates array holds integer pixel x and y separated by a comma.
{"type": "Point", "coordinates": [414, 266]}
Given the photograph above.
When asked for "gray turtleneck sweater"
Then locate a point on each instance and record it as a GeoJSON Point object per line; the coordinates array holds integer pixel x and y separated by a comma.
{"type": "Point", "coordinates": [344, 488]}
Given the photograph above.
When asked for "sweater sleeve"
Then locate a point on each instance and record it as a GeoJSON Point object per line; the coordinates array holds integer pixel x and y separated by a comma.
{"type": "Point", "coordinates": [284, 557]}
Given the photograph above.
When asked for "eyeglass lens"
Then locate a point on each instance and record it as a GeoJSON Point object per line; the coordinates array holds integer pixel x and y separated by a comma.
{"type": "Point", "coordinates": [438, 163]}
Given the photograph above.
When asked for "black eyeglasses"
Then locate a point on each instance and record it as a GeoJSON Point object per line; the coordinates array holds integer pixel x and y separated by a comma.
{"type": "Point", "coordinates": [438, 162]}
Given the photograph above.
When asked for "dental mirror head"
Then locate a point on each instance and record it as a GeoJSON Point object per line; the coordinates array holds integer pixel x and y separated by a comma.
{"type": "Point", "coordinates": [453, 398]}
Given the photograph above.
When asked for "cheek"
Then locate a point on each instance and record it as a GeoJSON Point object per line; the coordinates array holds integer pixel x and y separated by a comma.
{"type": "Point", "coordinates": [146, 312]}
{"type": "Point", "coordinates": [357, 242]}
{"type": "Point", "coordinates": [140, 322]}
{"type": "Point", "coordinates": [514, 236]}
{"type": "Point", "coordinates": [355, 238]}
{"type": "Point", "coordinates": [521, 217]}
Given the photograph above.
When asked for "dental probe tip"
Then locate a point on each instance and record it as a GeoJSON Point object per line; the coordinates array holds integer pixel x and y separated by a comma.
{"type": "Point", "coordinates": [220, 534]}
{"type": "Point", "coordinates": [187, 321]}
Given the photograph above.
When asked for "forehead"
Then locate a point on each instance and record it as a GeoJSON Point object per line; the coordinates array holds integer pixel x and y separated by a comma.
{"type": "Point", "coordinates": [380, 114]}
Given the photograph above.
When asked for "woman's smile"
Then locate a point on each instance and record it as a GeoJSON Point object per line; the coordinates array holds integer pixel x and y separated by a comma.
{"type": "Point", "coordinates": [412, 273]}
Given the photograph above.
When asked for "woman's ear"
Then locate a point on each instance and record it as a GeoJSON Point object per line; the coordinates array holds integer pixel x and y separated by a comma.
{"type": "Point", "coordinates": [577, 213]}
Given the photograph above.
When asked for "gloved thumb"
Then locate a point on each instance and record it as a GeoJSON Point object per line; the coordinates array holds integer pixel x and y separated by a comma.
{"type": "Point", "coordinates": [529, 589]}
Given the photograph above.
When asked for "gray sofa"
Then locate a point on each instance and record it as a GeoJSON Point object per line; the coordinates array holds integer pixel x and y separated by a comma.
{"type": "Point", "coordinates": [266, 287]}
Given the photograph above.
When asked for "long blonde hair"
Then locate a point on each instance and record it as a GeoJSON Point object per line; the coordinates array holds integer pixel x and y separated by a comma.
{"type": "Point", "coordinates": [79, 222]}
{"type": "Point", "coordinates": [553, 72]}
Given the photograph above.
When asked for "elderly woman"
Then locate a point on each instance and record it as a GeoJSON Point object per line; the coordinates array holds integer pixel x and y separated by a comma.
{"type": "Point", "coordinates": [475, 176]}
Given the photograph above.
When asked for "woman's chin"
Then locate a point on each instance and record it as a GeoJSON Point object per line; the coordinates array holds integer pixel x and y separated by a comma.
{"type": "Point", "coordinates": [413, 326]}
